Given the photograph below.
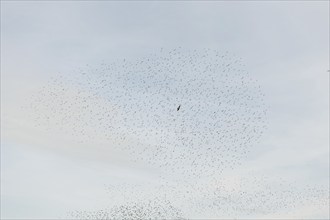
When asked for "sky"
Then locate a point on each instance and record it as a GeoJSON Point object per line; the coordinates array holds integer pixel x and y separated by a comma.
{"type": "Point", "coordinates": [284, 46]}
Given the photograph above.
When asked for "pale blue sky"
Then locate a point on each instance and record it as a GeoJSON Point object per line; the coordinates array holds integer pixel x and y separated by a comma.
{"type": "Point", "coordinates": [285, 46]}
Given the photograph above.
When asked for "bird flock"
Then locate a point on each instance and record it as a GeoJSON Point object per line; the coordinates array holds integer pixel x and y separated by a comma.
{"type": "Point", "coordinates": [231, 197]}
{"type": "Point", "coordinates": [190, 114]}
{"type": "Point", "coordinates": [152, 209]}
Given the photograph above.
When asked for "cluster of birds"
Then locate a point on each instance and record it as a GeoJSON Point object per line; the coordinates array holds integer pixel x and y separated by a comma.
{"type": "Point", "coordinates": [152, 210]}
{"type": "Point", "coordinates": [232, 198]}
{"type": "Point", "coordinates": [190, 114]}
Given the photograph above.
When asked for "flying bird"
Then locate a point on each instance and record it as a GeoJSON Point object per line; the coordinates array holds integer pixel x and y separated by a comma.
{"type": "Point", "coordinates": [178, 108]}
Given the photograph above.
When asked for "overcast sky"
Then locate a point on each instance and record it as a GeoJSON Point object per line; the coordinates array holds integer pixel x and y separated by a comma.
{"type": "Point", "coordinates": [284, 45]}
